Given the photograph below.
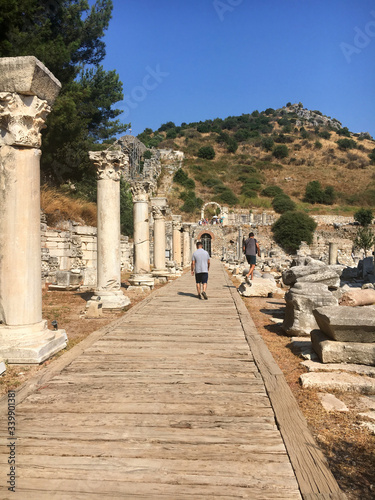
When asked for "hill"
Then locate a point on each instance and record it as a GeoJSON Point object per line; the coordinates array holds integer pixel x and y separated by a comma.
{"type": "Point", "coordinates": [234, 160]}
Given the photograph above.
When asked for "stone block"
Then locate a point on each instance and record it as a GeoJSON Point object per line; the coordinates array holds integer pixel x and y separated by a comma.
{"type": "Point", "coordinates": [318, 366]}
{"type": "Point", "coordinates": [259, 288]}
{"type": "Point", "coordinates": [63, 278]}
{"type": "Point", "coordinates": [326, 276]}
{"type": "Point", "coordinates": [347, 324]}
{"type": "Point", "coordinates": [301, 300]}
{"type": "Point", "coordinates": [27, 75]}
{"type": "Point", "coordinates": [343, 382]}
{"type": "Point", "coordinates": [90, 277]}
{"type": "Point", "coordinates": [331, 351]}
{"type": "Point", "coordinates": [94, 309]}
{"type": "Point", "coordinates": [85, 230]}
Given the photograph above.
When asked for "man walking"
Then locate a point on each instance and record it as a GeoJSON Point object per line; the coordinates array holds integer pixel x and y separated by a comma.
{"type": "Point", "coordinates": [200, 264]}
{"type": "Point", "coordinates": [251, 249]}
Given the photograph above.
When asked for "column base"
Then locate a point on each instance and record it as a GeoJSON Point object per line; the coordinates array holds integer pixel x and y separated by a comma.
{"type": "Point", "coordinates": [141, 280]}
{"type": "Point", "coordinates": [110, 299]}
{"type": "Point", "coordinates": [30, 344]}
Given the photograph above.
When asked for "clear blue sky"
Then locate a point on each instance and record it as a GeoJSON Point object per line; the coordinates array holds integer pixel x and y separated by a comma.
{"type": "Point", "coordinates": [215, 58]}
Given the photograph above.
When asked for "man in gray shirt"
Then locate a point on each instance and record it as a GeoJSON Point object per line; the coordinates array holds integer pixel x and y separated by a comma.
{"type": "Point", "coordinates": [200, 264]}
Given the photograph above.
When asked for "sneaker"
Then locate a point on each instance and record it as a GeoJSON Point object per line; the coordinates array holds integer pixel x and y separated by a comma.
{"type": "Point", "coordinates": [205, 295]}
{"type": "Point", "coordinates": [248, 280]}
{"type": "Point", "coordinates": [199, 296]}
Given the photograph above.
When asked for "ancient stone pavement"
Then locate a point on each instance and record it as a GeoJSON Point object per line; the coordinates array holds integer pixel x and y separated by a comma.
{"type": "Point", "coordinates": [179, 399]}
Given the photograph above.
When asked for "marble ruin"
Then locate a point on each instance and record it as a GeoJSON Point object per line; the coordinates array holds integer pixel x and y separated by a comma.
{"type": "Point", "coordinates": [27, 92]}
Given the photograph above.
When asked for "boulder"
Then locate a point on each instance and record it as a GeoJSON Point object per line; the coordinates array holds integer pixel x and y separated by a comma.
{"type": "Point", "coordinates": [346, 323]}
{"type": "Point", "coordinates": [259, 288]}
{"type": "Point", "coordinates": [365, 267]}
{"type": "Point", "coordinates": [358, 297]}
{"type": "Point", "coordinates": [330, 351]}
{"type": "Point", "coordinates": [326, 276]}
{"type": "Point", "coordinates": [291, 275]}
{"type": "Point", "coordinates": [349, 273]}
{"type": "Point", "coordinates": [343, 382]}
{"type": "Point", "coordinates": [301, 300]}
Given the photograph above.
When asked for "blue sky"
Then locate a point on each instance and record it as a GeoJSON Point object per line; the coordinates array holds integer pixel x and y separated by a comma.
{"type": "Point", "coordinates": [186, 61]}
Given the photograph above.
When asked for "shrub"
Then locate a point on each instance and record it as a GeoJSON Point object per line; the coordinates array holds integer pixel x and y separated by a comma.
{"type": "Point", "coordinates": [346, 143]}
{"type": "Point", "coordinates": [282, 203]}
{"type": "Point", "coordinates": [191, 202]}
{"type": "Point", "coordinates": [212, 182]}
{"type": "Point", "coordinates": [171, 133]}
{"type": "Point", "coordinates": [318, 145]}
{"type": "Point", "coordinates": [206, 152]}
{"type": "Point", "coordinates": [292, 228]}
{"type": "Point", "coordinates": [344, 131]}
{"type": "Point", "coordinates": [364, 216]}
{"type": "Point", "coordinates": [227, 196]}
{"type": "Point", "coordinates": [281, 151]}
{"type": "Point", "coordinates": [147, 155]}
{"type": "Point", "coordinates": [232, 145]}
{"type": "Point", "coordinates": [364, 239]}
{"type": "Point", "coordinates": [267, 143]}
{"type": "Point", "coordinates": [204, 128]}
{"type": "Point", "coordinates": [313, 192]}
{"type": "Point", "coordinates": [180, 177]}
{"type": "Point", "coordinates": [248, 192]}
{"type": "Point", "coordinates": [242, 135]}
{"type": "Point", "coordinates": [271, 191]}
{"type": "Point", "coordinates": [269, 111]}
{"type": "Point", "coordinates": [329, 195]}
{"type": "Point", "coordinates": [372, 156]}
{"type": "Point", "coordinates": [324, 134]}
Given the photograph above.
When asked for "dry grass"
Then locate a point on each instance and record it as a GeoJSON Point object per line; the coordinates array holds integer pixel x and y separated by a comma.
{"type": "Point", "coordinates": [59, 207]}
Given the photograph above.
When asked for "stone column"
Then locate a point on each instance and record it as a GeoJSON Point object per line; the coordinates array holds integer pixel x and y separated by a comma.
{"type": "Point", "coordinates": [159, 208]}
{"type": "Point", "coordinates": [109, 166]}
{"type": "Point", "coordinates": [332, 257]}
{"type": "Point", "coordinates": [193, 247]}
{"type": "Point", "coordinates": [264, 218]}
{"type": "Point", "coordinates": [251, 217]}
{"type": "Point", "coordinates": [176, 235]}
{"type": "Point", "coordinates": [142, 269]}
{"type": "Point", "coordinates": [27, 90]}
{"type": "Point", "coordinates": [186, 245]}
{"type": "Point", "coordinates": [240, 237]}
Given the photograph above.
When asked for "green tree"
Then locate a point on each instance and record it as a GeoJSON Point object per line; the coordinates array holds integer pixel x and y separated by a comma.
{"type": "Point", "coordinates": [364, 239]}
{"type": "Point", "coordinates": [126, 209]}
{"type": "Point", "coordinates": [267, 143]}
{"type": "Point", "coordinates": [372, 156]}
{"type": "Point", "coordinates": [314, 192]}
{"type": "Point", "coordinates": [364, 216]}
{"type": "Point", "coordinates": [206, 152]}
{"type": "Point", "coordinates": [292, 228]}
{"type": "Point", "coordinates": [346, 143]}
{"type": "Point", "coordinates": [67, 38]}
{"type": "Point", "coordinates": [280, 151]}
{"type": "Point", "coordinates": [282, 203]}
{"type": "Point", "coordinates": [271, 191]}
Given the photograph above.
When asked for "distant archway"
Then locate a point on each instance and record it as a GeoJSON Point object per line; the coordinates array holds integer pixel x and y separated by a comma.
{"type": "Point", "coordinates": [209, 203]}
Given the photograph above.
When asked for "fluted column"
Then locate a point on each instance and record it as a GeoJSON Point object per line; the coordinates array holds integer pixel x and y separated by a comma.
{"type": "Point", "coordinates": [176, 238]}
{"type": "Point", "coordinates": [109, 168]}
{"type": "Point", "coordinates": [159, 208]}
{"type": "Point", "coordinates": [141, 276]}
{"type": "Point", "coordinates": [27, 91]}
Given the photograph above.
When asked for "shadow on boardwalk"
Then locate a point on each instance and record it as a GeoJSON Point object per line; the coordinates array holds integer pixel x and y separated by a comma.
{"type": "Point", "coordinates": [178, 399]}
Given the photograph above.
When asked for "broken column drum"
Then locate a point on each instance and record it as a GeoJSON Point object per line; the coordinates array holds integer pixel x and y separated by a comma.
{"type": "Point", "coordinates": [27, 90]}
{"type": "Point", "coordinates": [109, 167]}
{"type": "Point", "coordinates": [142, 269]}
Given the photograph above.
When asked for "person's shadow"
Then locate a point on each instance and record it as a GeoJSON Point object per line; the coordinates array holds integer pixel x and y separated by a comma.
{"type": "Point", "coordinates": [186, 294]}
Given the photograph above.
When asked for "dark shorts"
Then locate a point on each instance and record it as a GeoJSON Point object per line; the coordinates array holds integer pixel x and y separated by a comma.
{"type": "Point", "coordinates": [201, 278]}
{"type": "Point", "coordinates": [251, 259]}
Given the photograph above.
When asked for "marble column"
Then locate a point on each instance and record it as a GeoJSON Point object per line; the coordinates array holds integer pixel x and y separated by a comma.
{"type": "Point", "coordinates": [176, 236]}
{"type": "Point", "coordinates": [186, 245]}
{"type": "Point", "coordinates": [27, 91]}
{"type": "Point", "coordinates": [240, 238]}
{"type": "Point", "coordinates": [193, 228]}
{"type": "Point", "coordinates": [332, 257]}
{"type": "Point", "coordinates": [109, 167]}
{"type": "Point", "coordinates": [159, 208]}
{"type": "Point", "coordinates": [264, 218]}
{"type": "Point", "coordinates": [141, 276]}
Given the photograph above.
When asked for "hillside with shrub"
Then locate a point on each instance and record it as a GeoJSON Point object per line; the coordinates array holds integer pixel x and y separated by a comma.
{"type": "Point", "coordinates": [287, 158]}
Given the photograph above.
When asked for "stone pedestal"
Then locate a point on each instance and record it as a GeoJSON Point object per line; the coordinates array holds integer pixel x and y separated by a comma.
{"type": "Point", "coordinates": [142, 268]}
{"type": "Point", "coordinates": [332, 254]}
{"type": "Point", "coordinates": [159, 208]}
{"type": "Point", "coordinates": [176, 237]}
{"type": "Point", "coordinates": [27, 89]}
{"type": "Point", "coordinates": [109, 165]}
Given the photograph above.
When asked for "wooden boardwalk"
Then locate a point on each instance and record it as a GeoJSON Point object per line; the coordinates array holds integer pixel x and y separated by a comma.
{"type": "Point", "coordinates": [166, 403]}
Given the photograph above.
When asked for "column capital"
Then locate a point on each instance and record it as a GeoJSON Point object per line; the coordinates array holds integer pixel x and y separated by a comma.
{"type": "Point", "coordinates": [109, 164]}
{"type": "Point", "coordinates": [159, 212]}
{"type": "Point", "coordinates": [22, 117]}
{"type": "Point", "coordinates": [141, 190]}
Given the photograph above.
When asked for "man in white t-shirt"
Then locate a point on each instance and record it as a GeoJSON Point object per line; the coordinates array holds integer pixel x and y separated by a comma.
{"type": "Point", "coordinates": [200, 265]}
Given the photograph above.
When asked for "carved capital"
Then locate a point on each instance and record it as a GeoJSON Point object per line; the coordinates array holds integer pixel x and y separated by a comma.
{"type": "Point", "coordinates": [22, 117]}
{"type": "Point", "coordinates": [141, 190]}
{"type": "Point", "coordinates": [109, 164]}
{"type": "Point", "coordinates": [159, 212]}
